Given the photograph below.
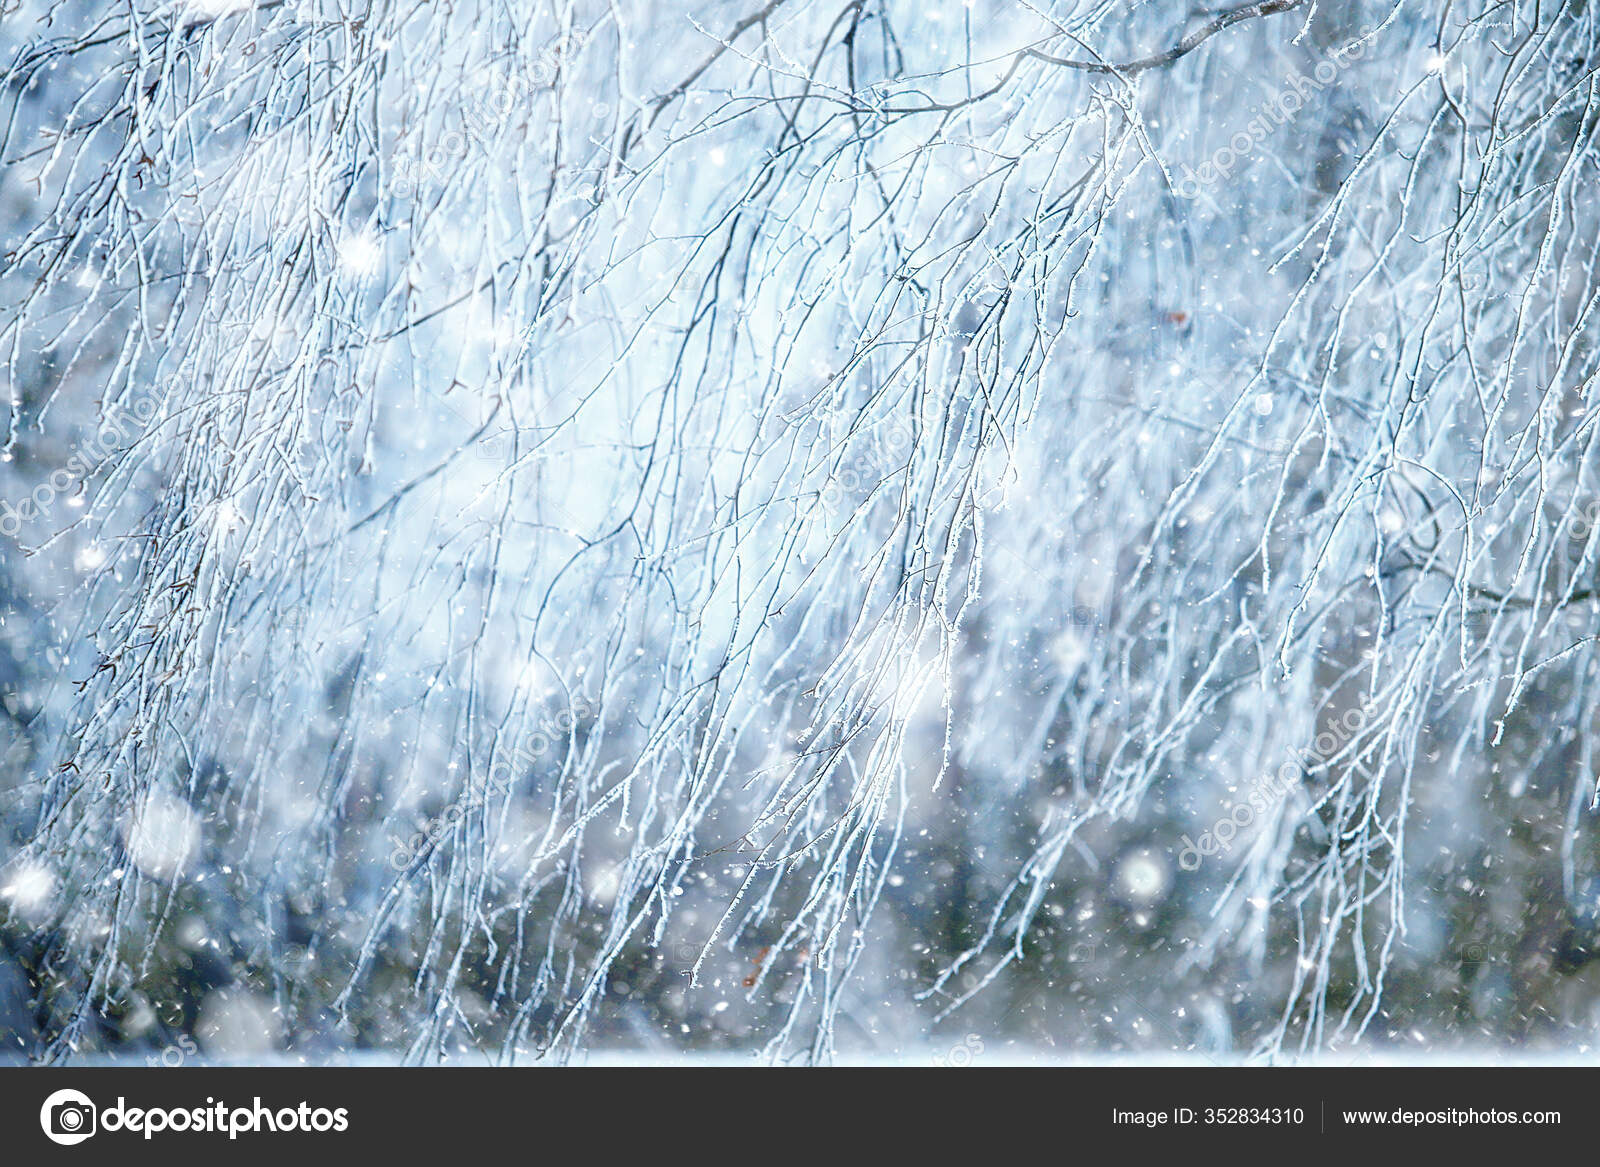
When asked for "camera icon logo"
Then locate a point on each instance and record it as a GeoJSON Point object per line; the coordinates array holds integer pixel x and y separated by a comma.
{"type": "Point", "coordinates": [493, 447]}
{"type": "Point", "coordinates": [68, 1117]}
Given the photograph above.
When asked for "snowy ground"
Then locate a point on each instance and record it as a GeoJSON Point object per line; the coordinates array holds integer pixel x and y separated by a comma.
{"type": "Point", "coordinates": [999, 1055]}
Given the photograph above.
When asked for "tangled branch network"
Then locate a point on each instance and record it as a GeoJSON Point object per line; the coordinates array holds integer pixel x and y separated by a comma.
{"type": "Point", "coordinates": [656, 467]}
